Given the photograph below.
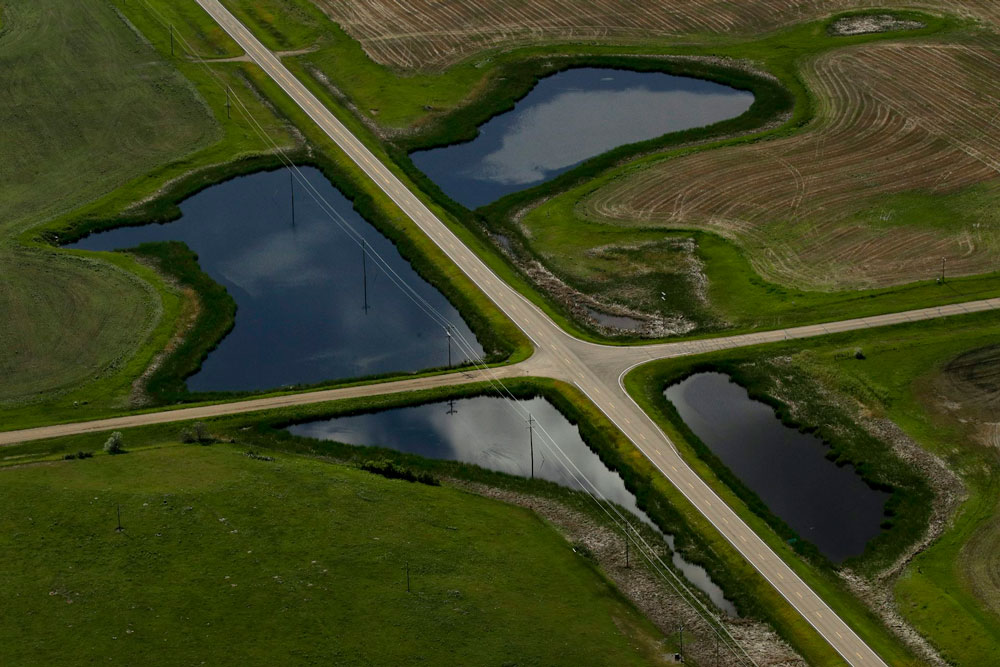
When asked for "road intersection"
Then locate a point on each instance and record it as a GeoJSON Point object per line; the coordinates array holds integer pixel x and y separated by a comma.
{"type": "Point", "coordinates": [597, 370]}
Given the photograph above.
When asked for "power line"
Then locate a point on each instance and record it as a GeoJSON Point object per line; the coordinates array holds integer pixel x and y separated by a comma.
{"type": "Point", "coordinates": [317, 196]}
{"type": "Point", "coordinates": [609, 508]}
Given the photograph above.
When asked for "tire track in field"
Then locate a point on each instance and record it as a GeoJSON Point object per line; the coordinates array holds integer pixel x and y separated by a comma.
{"type": "Point", "coordinates": [812, 210]}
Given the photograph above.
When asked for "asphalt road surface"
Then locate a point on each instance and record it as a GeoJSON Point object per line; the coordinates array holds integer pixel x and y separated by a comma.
{"type": "Point", "coordinates": [596, 369]}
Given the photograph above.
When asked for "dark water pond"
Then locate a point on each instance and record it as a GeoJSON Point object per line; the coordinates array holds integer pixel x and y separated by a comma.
{"type": "Point", "coordinates": [485, 431]}
{"type": "Point", "coordinates": [569, 117]}
{"type": "Point", "coordinates": [827, 504]}
{"type": "Point", "coordinates": [299, 287]}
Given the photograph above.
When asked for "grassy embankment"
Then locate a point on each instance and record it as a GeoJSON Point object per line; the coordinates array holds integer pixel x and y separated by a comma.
{"type": "Point", "coordinates": [435, 108]}
{"type": "Point", "coordinates": [942, 592]}
{"type": "Point", "coordinates": [240, 151]}
{"type": "Point", "coordinates": [225, 558]}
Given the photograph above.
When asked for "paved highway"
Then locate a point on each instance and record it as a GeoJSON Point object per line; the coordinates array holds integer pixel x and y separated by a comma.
{"type": "Point", "coordinates": [595, 369]}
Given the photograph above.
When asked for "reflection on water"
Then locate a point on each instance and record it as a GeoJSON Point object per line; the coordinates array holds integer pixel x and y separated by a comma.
{"type": "Point", "coordinates": [485, 431]}
{"type": "Point", "coordinates": [569, 117]}
{"type": "Point", "coordinates": [299, 287]}
{"type": "Point", "coordinates": [827, 504]}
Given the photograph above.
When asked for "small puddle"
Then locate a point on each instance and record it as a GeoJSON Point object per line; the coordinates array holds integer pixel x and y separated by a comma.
{"type": "Point", "coordinates": [300, 287]}
{"type": "Point", "coordinates": [620, 322]}
{"type": "Point", "coordinates": [826, 504]}
{"type": "Point", "coordinates": [569, 117]}
{"type": "Point", "coordinates": [485, 431]}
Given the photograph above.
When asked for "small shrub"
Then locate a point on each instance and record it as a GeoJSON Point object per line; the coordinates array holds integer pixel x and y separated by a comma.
{"type": "Point", "coordinates": [114, 444]}
{"type": "Point", "coordinates": [84, 455]}
{"type": "Point", "coordinates": [859, 354]}
{"type": "Point", "coordinates": [259, 457]}
{"type": "Point", "coordinates": [197, 432]}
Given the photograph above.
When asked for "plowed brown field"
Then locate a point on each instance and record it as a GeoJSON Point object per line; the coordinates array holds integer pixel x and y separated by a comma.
{"type": "Point", "coordinates": [900, 169]}
{"type": "Point", "coordinates": [429, 34]}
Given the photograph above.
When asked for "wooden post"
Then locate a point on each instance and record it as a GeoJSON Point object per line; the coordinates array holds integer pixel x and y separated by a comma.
{"type": "Point", "coordinates": [626, 548]}
{"type": "Point", "coordinates": [531, 442]}
{"type": "Point", "coordinates": [447, 331]}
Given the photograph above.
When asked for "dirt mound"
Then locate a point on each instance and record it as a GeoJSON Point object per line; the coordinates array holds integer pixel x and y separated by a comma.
{"type": "Point", "coordinates": [968, 389]}
{"type": "Point", "coordinates": [867, 24]}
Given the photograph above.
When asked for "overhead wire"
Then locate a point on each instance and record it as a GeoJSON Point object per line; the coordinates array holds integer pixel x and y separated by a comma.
{"type": "Point", "coordinates": [610, 509]}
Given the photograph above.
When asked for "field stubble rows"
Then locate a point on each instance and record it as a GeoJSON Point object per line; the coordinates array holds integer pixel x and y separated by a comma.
{"type": "Point", "coordinates": [424, 34]}
{"type": "Point", "coordinates": [833, 207]}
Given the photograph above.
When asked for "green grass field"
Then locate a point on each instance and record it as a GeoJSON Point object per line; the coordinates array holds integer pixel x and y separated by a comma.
{"type": "Point", "coordinates": [87, 106]}
{"type": "Point", "coordinates": [114, 133]}
{"type": "Point", "coordinates": [230, 560]}
{"type": "Point", "coordinates": [948, 591]}
{"type": "Point", "coordinates": [694, 537]}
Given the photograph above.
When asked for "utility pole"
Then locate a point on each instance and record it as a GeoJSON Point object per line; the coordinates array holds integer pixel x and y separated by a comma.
{"type": "Point", "coordinates": [364, 271]}
{"type": "Point", "coordinates": [171, 40]}
{"type": "Point", "coordinates": [119, 528]}
{"type": "Point", "coordinates": [451, 407]}
{"type": "Point", "coordinates": [680, 636]}
{"type": "Point", "coordinates": [447, 331]}
{"type": "Point", "coordinates": [291, 188]}
{"type": "Point", "coordinates": [943, 260]}
{"type": "Point", "coordinates": [531, 442]}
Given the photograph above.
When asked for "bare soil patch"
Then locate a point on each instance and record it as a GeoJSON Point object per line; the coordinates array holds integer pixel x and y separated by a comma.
{"type": "Point", "coordinates": [975, 377]}
{"type": "Point", "coordinates": [867, 24]}
{"type": "Point", "coordinates": [968, 390]}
